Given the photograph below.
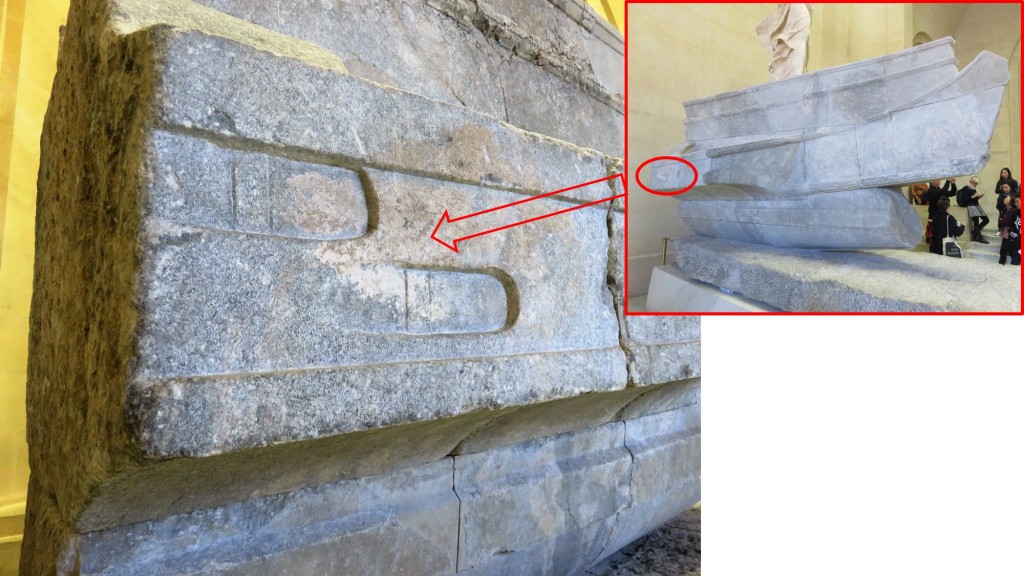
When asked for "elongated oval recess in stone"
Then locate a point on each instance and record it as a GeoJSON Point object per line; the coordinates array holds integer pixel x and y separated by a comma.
{"type": "Point", "coordinates": [454, 302]}
{"type": "Point", "coordinates": [197, 182]}
{"type": "Point", "coordinates": [423, 301]}
{"type": "Point", "coordinates": [310, 201]}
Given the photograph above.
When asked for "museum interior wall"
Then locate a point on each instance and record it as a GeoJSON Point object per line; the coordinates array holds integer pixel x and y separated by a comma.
{"type": "Point", "coordinates": [681, 52]}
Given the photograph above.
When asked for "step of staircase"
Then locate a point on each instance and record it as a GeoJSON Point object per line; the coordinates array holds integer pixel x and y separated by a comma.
{"type": "Point", "coordinates": [991, 236]}
{"type": "Point", "coordinates": [983, 255]}
{"type": "Point", "coordinates": [979, 247]}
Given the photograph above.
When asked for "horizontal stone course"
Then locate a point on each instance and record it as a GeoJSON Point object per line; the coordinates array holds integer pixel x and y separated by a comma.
{"type": "Point", "coordinates": [233, 354]}
{"type": "Point", "coordinates": [409, 516]}
{"type": "Point", "coordinates": [352, 121]}
{"type": "Point", "coordinates": [850, 281]}
{"type": "Point", "coordinates": [552, 505]}
{"type": "Point", "coordinates": [280, 364]}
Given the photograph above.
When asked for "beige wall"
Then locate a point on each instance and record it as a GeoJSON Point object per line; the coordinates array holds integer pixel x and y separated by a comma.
{"type": "Point", "coordinates": [996, 28]}
{"type": "Point", "coordinates": [29, 63]}
{"type": "Point", "coordinates": [678, 52]}
{"type": "Point", "coordinates": [937, 20]}
{"type": "Point", "coordinates": [844, 33]}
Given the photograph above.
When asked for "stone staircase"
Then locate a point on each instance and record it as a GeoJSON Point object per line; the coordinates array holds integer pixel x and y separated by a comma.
{"type": "Point", "coordinates": [980, 251]}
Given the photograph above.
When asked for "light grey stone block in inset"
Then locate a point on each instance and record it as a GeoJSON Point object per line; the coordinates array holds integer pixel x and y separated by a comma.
{"type": "Point", "coordinates": [879, 281]}
{"type": "Point", "coordinates": [882, 218]}
{"type": "Point", "coordinates": [406, 521]}
{"type": "Point", "coordinates": [672, 291]}
{"type": "Point", "coordinates": [769, 156]}
{"type": "Point", "coordinates": [517, 497]}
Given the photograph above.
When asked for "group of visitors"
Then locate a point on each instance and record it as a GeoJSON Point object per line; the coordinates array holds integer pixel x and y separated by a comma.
{"type": "Point", "coordinates": [1008, 204]}
{"type": "Point", "coordinates": [941, 224]}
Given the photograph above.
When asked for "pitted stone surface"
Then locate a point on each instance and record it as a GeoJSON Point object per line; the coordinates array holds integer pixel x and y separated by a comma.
{"type": "Point", "coordinates": [249, 355]}
{"type": "Point", "coordinates": [251, 98]}
{"type": "Point", "coordinates": [869, 281]}
{"type": "Point", "coordinates": [659, 348]}
{"type": "Point", "coordinates": [196, 182]}
{"type": "Point", "coordinates": [882, 219]}
{"type": "Point", "coordinates": [404, 521]}
{"type": "Point", "coordinates": [517, 497]}
{"type": "Point", "coordinates": [297, 339]}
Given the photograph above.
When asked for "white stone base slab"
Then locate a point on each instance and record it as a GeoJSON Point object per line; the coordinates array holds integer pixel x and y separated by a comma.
{"type": "Point", "coordinates": [672, 291]}
{"type": "Point", "coordinates": [851, 281]}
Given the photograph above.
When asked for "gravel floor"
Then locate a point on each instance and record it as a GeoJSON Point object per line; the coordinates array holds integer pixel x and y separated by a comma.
{"type": "Point", "coordinates": [672, 550]}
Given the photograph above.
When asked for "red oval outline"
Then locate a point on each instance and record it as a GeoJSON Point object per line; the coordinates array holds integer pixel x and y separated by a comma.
{"type": "Point", "coordinates": [636, 176]}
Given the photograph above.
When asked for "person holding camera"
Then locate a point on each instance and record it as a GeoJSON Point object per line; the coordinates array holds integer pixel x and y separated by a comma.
{"type": "Point", "coordinates": [969, 195]}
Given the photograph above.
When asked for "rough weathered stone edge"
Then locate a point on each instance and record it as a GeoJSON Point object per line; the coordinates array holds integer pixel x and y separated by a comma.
{"type": "Point", "coordinates": [147, 492]}
{"type": "Point", "coordinates": [629, 522]}
{"type": "Point", "coordinates": [130, 16]}
{"type": "Point", "coordinates": [168, 117]}
{"type": "Point", "coordinates": [514, 41]}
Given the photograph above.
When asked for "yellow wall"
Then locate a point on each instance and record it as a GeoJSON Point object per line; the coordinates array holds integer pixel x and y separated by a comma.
{"type": "Point", "coordinates": [27, 80]}
{"type": "Point", "coordinates": [843, 33]}
{"type": "Point", "coordinates": [678, 52]}
{"type": "Point", "coordinates": [996, 28]}
{"type": "Point", "coordinates": [613, 11]}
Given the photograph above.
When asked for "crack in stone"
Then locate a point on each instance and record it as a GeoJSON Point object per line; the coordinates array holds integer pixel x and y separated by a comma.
{"type": "Point", "coordinates": [459, 528]}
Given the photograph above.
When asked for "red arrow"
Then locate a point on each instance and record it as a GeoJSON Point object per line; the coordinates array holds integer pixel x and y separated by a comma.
{"type": "Point", "coordinates": [454, 246]}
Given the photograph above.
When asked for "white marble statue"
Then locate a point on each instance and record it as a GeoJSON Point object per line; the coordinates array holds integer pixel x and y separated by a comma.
{"type": "Point", "coordinates": [785, 35]}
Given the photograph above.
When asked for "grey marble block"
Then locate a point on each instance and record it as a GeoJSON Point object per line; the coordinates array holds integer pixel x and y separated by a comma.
{"type": "Point", "coordinates": [850, 281]}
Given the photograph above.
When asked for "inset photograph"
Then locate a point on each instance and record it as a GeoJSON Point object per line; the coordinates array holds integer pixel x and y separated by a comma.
{"type": "Point", "coordinates": [823, 158]}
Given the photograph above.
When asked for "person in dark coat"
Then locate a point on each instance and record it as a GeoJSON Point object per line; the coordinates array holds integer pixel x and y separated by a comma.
{"type": "Point", "coordinates": [934, 193]}
{"type": "Point", "coordinates": [943, 225]}
{"type": "Point", "coordinates": [1005, 177]}
{"type": "Point", "coordinates": [974, 211]}
{"type": "Point", "coordinates": [1005, 191]}
{"type": "Point", "coordinates": [1009, 227]}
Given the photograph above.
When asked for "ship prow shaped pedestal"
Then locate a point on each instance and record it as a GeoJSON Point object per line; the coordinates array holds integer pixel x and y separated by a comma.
{"type": "Point", "coordinates": [773, 157]}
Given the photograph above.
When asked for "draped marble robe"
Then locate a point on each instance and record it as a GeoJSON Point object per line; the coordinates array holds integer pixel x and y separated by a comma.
{"type": "Point", "coordinates": [785, 35]}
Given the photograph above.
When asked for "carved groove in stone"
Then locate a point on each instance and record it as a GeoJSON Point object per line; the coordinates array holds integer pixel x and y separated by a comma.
{"type": "Point", "coordinates": [197, 182]}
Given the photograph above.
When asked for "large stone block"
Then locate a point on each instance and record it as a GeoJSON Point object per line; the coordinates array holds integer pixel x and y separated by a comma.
{"type": "Point", "coordinates": [850, 281]}
{"type": "Point", "coordinates": [248, 354]}
{"type": "Point", "coordinates": [257, 99]}
{"type": "Point", "coordinates": [517, 497]}
{"type": "Point", "coordinates": [405, 521]}
{"type": "Point", "coordinates": [479, 55]}
{"type": "Point", "coordinates": [314, 339]}
{"type": "Point", "coordinates": [666, 472]}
